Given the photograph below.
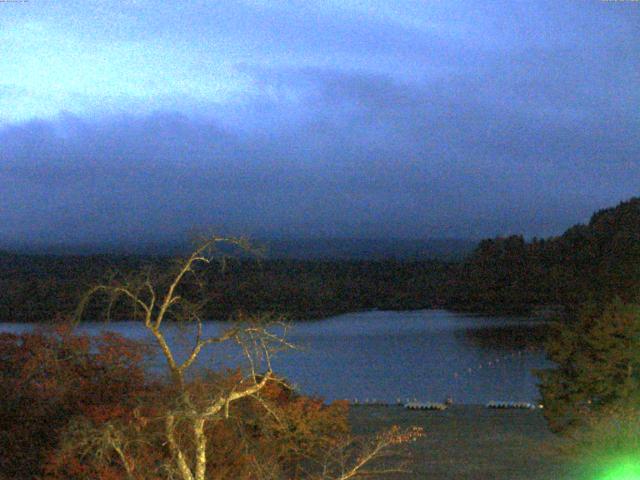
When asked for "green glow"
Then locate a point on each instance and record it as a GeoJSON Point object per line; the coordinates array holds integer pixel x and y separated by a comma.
{"type": "Point", "coordinates": [624, 470]}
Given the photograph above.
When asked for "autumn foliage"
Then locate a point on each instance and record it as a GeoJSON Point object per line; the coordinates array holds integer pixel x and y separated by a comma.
{"type": "Point", "coordinates": [81, 408]}
{"type": "Point", "coordinates": [75, 407]}
{"type": "Point", "coordinates": [49, 378]}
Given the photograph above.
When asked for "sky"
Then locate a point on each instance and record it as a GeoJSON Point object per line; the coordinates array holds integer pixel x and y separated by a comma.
{"type": "Point", "coordinates": [138, 120]}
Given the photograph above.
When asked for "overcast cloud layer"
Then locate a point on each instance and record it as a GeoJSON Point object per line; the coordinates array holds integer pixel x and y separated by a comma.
{"type": "Point", "coordinates": [144, 119]}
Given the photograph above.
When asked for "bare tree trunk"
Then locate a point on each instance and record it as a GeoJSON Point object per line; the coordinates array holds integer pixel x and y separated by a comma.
{"type": "Point", "coordinates": [183, 467]}
{"type": "Point", "coordinates": [201, 448]}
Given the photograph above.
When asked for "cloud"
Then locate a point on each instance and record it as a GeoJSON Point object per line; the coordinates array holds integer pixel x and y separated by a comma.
{"type": "Point", "coordinates": [341, 118]}
{"type": "Point", "coordinates": [369, 157]}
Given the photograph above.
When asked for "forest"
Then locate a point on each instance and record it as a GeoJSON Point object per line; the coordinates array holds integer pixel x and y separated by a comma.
{"type": "Point", "coordinates": [35, 286]}
{"type": "Point", "coordinates": [594, 262]}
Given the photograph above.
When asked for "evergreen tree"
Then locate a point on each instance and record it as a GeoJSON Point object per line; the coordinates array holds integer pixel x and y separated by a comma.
{"type": "Point", "coordinates": [597, 357]}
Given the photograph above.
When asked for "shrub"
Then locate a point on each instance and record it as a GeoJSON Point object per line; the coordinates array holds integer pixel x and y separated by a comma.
{"type": "Point", "coordinates": [598, 365]}
{"type": "Point", "coordinates": [47, 378]}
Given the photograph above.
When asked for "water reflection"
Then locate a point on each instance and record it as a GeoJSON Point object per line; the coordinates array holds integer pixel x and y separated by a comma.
{"type": "Point", "coordinates": [528, 336]}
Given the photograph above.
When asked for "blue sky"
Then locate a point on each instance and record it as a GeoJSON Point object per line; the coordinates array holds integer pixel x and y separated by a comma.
{"type": "Point", "coordinates": [144, 119]}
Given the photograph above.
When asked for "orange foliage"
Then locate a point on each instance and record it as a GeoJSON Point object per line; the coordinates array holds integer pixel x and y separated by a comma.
{"type": "Point", "coordinates": [71, 401]}
{"type": "Point", "coordinates": [49, 377]}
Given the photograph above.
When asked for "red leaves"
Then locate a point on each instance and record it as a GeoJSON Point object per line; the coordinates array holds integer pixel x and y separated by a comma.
{"type": "Point", "coordinates": [80, 408]}
{"type": "Point", "coordinates": [49, 377]}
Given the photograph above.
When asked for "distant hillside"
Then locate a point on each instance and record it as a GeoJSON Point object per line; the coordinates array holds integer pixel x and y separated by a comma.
{"type": "Point", "coordinates": [302, 279]}
{"type": "Point", "coordinates": [448, 249]}
{"type": "Point", "coordinates": [592, 262]}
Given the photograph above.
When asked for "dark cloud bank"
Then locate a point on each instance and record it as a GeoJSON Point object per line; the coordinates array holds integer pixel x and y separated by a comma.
{"type": "Point", "coordinates": [525, 138]}
{"type": "Point", "coordinates": [388, 161]}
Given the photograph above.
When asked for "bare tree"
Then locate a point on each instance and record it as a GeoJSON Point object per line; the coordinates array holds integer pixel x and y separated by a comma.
{"type": "Point", "coordinates": [155, 301]}
{"type": "Point", "coordinates": [367, 457]}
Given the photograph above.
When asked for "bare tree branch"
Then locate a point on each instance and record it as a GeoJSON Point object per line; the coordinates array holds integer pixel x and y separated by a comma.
{"type": "Point", "coordinates": [259, 338]}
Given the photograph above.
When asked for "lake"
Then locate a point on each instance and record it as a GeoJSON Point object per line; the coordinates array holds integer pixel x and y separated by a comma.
{"type": "Point", "coordinates": [428, 355]}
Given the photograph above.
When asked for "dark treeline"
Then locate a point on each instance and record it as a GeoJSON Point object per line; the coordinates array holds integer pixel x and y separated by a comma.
{"type": "Point", "coordinates": [34, 286]}
{"type": "Point", "coordinates": [588, 263]}
{"type": "Point", "coordinates": [314, 289]}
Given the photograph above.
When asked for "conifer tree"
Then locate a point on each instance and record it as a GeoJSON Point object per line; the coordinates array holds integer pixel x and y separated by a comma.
{"type": "Point", "coordinates": [597, 357]}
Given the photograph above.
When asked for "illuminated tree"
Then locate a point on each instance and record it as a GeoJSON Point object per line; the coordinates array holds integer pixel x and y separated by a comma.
{"type": "Point", "coordinates": [197, 412]}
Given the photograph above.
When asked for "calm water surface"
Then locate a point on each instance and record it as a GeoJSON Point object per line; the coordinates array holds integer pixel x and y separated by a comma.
{"type": "Point", "coordinates": [428, 355]}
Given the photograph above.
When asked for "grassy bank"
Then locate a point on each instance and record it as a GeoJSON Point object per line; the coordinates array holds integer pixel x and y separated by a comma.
{"type": "Point", "coordinates": [473, 443]}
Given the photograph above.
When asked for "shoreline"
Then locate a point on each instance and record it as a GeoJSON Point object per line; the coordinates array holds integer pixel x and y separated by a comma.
{"type": "Point", "coordinates": [319, 317]}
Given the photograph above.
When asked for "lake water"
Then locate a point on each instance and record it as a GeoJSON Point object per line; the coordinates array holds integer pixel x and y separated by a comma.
{"type": "Point", "coordinates": [427, 355]}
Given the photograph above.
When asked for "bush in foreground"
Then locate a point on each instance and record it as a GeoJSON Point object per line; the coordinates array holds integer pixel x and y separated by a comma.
{"type": "Point", "coordinates": [49, 378]}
